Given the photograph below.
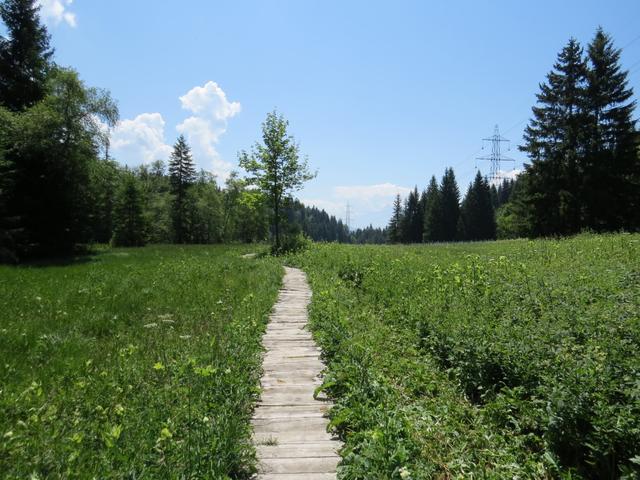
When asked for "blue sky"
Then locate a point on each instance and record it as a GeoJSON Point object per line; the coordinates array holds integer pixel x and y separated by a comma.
{"type": "Point", "coordinates": [380, 95]}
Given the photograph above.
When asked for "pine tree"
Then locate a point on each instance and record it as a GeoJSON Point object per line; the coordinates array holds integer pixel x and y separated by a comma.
{"type": "Point", "coordinates": [395, 222]}
{"type": "Point", "coordinates": [611, 173]}
{"type": "Point", "coordinates": [182, 173]}
{"type": "Point", "coordinates": [129, 224]}
{"type": "Point", "coordinates": [24, 55]}
{"type": "Point", "coordinates": [432, 230]}
{"type": "Point", "coordinates": [477, 216]}
{"type": "Point", "coordinates": [553, 139]}
{"type": "Point", "coordinates": [450, 205]}
{"type": "Point", "coordinates": [411, 224]}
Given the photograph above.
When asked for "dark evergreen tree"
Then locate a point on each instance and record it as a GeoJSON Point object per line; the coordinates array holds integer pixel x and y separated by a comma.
{"type": "Point", "coordinates": [54, 144]}
{"type": "Point", "coordinates": [477, 216]}
{"type": "Point", "coordinates": [610, 169]}
{"type": "Point", "coordinates": [182, 173]}
{"type": "Point", "coordinates": [553, 140]}
{"type": "Point", "coordinates": [432, 230]}
{"type": "Point", "coordinates": [395, 234]}
{"type": "Point", "coordinates": [369, 235]}
{"type": "Point", "coordinates": [129, 223]}
{"type": "Point", "coordinates": [8, 225]}
{"type": "Point", "coordinates": [24, 55]}
{"type": "Point", "coordinates": [412, 222]}
{"type": "Point", "coordinates": [514, 218]}
{"type": "Point", "coordinates": [450, 205]}
{"type": "Point", "coordinates": [104, 179]}
{"type": "Point", "coordinates": [503, 192]}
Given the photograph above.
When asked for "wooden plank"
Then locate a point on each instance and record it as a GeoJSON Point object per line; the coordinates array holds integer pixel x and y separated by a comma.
{"type": "Point", "coordinates": [289, 425]}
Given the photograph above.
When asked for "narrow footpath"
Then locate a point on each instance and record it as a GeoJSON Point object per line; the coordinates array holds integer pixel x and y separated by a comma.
{"type": "Point", "coordinates": [289, 424]}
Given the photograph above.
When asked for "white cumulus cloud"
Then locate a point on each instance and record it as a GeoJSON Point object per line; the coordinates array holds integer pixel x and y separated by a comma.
{"type": "Point", "coordinates": [210, 112]}
{"type": "Point", "coordinates": [57, 11]}
{"type": "Point", "coordinates": [140, 140]}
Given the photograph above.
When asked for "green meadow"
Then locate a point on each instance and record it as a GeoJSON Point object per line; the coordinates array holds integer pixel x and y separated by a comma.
{"type": "Point", "coordinates": [133, 363]}
{"type": "Point", "coordinates": [511, 359]}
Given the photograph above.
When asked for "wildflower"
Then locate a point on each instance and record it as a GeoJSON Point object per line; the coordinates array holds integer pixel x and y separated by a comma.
{"type": "Point", "coordinates": [405, 473]}
{"type": "Point", "coordinates": [158, 366]}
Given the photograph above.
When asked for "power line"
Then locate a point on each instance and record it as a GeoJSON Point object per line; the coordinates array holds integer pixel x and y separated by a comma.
{"type": "Point", "coordinates": [631, 42]}
{"type": "Point", "coordinates": [496, 157]}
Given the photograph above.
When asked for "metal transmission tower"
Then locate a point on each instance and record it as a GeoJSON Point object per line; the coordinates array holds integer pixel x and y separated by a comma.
{"type": "Point", "coordinates": [496, 156]}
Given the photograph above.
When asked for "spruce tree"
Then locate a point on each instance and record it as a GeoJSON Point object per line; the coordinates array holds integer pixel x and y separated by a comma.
{"type": "Point", "coordinates": [432, 230]}
{"type": "Point", "coordinates": [394, 234]}
{"type": "Point", "coordinates": [129, 224]}
{"type": "Point", "coordinates": [24, 55]}
{"type": "Point", "coordinates": [553, 139]}
{"type": "Point", "coordinates": [477, 216]}
{"type": "Point", "coordinates": [412, 219]}
{"type": "Point", "coordinates": [450, 205]}
{"type": "Point", "coordinates": [182, 174]}
{"type": "Point", "coordinates": [611, 173]}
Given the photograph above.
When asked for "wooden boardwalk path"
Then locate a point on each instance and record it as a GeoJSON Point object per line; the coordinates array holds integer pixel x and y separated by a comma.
{"type": "Point", "coordinates": [289, 424]}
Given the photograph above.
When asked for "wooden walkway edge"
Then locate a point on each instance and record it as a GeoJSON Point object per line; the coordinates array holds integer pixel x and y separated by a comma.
{"type": "Point", "coordinates": [289, 425]}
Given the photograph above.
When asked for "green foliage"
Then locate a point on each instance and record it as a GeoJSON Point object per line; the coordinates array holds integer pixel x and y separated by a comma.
{"type": "Point", "coordinates": [135, 363]}
{"type": "Point", "coordinates": [276, 167]}
{"type": "Point", "coordinates": [450, 205]}
{"type": "Point", "coordinates": [477, 217]}
{"type": "Point", "coordinates": [488, 360]}
{"type": "Point", "coordinates": [51, 149]}
{"type": "Point", "coordinates": [432, 213]}
{"type": "Point", "coordinates": [129, 223]}
{"type": "Point", "coordinates": [412, 222]}
{"type": "Point", "coordinates": [584, 172]}
{"type": "Point", "coordinates": [395, 232]}
{"type": "Point", "coordinates": [24, 55]}
{"type": "Point", "coordinates": [182, 174]}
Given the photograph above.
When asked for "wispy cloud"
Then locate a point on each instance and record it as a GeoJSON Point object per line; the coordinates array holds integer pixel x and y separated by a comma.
{"type": "Point", "coordinates": [57, 11]}
{"type": "Point", "coordinates": [368, 203]}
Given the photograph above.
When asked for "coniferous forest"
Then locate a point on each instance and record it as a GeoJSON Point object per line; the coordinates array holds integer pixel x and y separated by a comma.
{"type": "Point", "coordinates": [61, 191]}
{"type": "Point", "coordinates": [584, 169]}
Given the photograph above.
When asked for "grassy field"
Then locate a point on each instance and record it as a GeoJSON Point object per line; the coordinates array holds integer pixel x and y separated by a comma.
{"type": "Point", "coordinates": [132, 364]}
{"type": "Point", "coordinates": [515, 359]}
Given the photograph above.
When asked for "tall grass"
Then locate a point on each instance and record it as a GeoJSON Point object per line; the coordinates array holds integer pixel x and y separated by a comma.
{"type": "Point", "coordinates": [135, 363]}
{"type": "Point", "coordinates": [514, 359]}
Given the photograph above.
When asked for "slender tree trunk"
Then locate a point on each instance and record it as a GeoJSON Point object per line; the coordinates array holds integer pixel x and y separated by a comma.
{"type": "Point", "coordinates": [277, 222]}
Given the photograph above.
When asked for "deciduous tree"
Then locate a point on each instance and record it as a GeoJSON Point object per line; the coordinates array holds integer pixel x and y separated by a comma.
{"type": "Point", "coordinates": [276, 167]}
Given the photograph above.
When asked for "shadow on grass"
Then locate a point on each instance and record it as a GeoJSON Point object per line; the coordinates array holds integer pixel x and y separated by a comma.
{"type": "Point", "coordinates": [80, 256]}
